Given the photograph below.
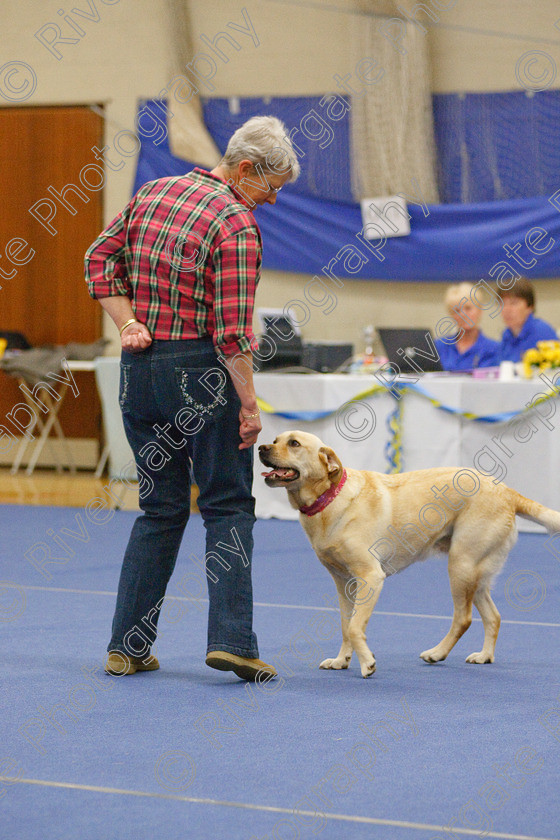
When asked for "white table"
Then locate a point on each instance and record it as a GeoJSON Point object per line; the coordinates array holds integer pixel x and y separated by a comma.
{"type": "Point", "coordinates": [430, 437]}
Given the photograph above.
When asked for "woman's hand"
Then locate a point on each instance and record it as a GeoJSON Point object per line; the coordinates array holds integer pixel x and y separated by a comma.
{"type": "Point", "coordinates": [249, 428]}
{"type": "Point", "coordinates": [135, 338]}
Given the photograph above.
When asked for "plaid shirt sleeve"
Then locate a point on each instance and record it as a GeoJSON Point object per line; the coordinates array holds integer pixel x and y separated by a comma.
{"type": "Point", "coordinates": [237, 263]}
{"type": "Point", "coordinates": [105, 264]}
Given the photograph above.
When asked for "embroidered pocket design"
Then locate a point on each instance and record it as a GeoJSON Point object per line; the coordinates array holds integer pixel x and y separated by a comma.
{"type": "Point", "coordinates": [125, 375]}
{"type": "Point", "coordinates": [190, 386]}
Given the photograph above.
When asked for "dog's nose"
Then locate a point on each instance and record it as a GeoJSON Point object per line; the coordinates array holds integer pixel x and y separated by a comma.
{"type": "Point", "coordinates": [264, 447]}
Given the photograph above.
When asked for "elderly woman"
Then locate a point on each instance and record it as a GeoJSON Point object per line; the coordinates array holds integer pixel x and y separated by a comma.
{"type": "Point", "coordinates": [468, 348]}
{"type": "Point", "coordinates": [177, 271]}
{"type": "Point", "coordinates": [523, 330]}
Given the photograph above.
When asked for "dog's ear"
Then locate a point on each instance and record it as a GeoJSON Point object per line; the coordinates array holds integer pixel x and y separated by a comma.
{"type": "Point", "coordinates": [332, 461]}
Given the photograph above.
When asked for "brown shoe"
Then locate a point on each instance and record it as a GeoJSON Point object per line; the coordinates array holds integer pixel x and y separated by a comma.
{"type": "Point", "coordinates": [120, 664]}
{"type": "Point", "coordinates": [246, 669]}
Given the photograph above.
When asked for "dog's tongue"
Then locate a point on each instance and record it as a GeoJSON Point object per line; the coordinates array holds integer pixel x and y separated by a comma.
{"type": "Point", "coordinates": [279, 472]}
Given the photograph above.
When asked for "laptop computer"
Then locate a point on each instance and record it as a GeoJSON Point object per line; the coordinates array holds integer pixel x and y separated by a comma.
{"type": "Point", "coordinates": [282, 335]}
{"type": "Point", "coordinates": [411, 348]}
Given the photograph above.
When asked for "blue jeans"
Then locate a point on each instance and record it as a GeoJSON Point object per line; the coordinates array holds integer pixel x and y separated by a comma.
{"type": "Point", "coordinates": [174, 411]}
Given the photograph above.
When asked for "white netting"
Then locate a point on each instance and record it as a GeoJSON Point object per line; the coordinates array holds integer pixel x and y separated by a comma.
{"type": "Point", "coordinates": [392, 137]}
{"type": "Point", "coordinates": [188, 137]}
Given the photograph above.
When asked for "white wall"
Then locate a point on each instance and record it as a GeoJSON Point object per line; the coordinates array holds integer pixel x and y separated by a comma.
{"type": "Point", "coordinates": [121, 57]}
{"type": "Point", "coordinates": [474, 44]}
{"type": "Point", "coordinates": [126, 55]}
{"type": "Point", "coordinates": [478, 44]}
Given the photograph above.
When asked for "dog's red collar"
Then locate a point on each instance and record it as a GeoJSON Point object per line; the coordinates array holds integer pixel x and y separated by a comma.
{"type": "Point", "coordinates": [325, 498]}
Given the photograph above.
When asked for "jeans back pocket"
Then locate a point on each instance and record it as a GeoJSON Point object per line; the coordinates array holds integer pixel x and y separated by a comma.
{"type": "Point", "coordinates": [204, 390]}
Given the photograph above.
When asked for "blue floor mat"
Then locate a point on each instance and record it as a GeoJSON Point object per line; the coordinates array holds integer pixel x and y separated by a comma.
{"type": "Point", "coordinates": [188, 752]}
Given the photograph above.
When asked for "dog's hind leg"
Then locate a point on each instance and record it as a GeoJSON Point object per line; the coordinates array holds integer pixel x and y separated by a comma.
{"type": "Point", "coordinates": [346, 600]}
{"type": "Point", "coordinates": [463, 588]}
{"type": "Point", "coordinates": [488, 569]}
{"type": "Point", "coordinates": [491, 621]}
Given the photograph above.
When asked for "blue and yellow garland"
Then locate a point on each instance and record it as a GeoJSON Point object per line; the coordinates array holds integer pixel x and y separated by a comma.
{"type": "Point", "coordinates": [393, 448]}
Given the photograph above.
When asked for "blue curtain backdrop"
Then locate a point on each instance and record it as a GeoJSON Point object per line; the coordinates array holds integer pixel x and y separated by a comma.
{"type": "Point", "coordinates": [497, 146]}
{"type": "Point", "coordinates": [315, 221]}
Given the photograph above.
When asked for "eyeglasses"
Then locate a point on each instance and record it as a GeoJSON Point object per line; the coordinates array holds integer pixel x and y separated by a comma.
{"type": "Point", "coordinates": [270, 189]}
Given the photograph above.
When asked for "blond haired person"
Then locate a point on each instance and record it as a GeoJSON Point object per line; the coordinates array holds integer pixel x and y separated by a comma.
{"type": "Point", "coordinates": [468, 348]}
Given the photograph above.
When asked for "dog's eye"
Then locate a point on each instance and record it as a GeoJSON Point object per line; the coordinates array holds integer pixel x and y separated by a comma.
{"type": "Point", "coordinates": [293, 442]}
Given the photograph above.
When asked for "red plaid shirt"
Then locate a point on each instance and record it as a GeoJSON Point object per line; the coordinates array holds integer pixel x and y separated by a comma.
{"type": "Point", "coordinates": [187, 253]}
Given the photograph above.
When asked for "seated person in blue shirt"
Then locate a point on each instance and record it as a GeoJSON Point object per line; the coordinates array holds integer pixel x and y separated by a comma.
{"type": "Point", "coordinates": [523, 329]}
{"type": "Point", "coordinates": [467, 348]}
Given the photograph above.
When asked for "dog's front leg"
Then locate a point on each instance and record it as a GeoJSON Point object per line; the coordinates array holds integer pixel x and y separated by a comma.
{"type": "Point", "coordinates": [346, 602]}
{"type": "Point", "coordinates": [363, 608]}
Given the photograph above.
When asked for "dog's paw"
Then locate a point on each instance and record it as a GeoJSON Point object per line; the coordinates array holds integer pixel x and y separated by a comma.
{"type": "Point", "coordinates": [367, 669]}
{"type": "Point", "coordinates": [432, 655]}
{"type": "Point", "coordinates": [335, 664]}
{"type": "Point", "coordinates": [480, 658]}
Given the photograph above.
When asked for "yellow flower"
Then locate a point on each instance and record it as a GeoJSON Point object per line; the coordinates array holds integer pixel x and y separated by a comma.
{"type": "Point", "coordinates": [531, 357]}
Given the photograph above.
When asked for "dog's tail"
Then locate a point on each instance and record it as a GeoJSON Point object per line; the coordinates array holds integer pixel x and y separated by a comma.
{"type": "Point", "coordinates": [528, 509]}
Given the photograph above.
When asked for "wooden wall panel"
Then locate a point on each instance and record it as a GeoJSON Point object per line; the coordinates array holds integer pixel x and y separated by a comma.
{"type": "Point", "coordinates": [47, 299]}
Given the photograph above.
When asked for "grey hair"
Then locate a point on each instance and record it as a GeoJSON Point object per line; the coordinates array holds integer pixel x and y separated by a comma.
{"type": "Point", "coordinates": [264, 141]}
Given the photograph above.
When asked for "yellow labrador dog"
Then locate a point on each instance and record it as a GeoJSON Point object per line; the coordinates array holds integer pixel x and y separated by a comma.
{"type": "Point", "coordinates": [364, 526]}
